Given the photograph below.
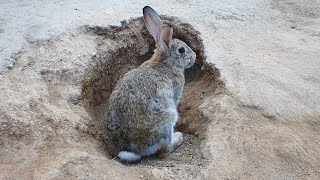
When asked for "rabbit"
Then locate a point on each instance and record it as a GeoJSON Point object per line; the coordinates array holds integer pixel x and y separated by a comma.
{"type": "Point", "coordinates": [142, 111]}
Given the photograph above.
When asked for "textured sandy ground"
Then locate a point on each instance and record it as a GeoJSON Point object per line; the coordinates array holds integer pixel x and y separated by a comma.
{"type": "Point", "coordinates": [264, 124]}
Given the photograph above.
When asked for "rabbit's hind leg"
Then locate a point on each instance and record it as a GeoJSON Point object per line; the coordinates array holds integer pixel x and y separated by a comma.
{"type": "Point", "coordinates": [154, 148]}
{"type": "Point", "coordinates": [168, 143]}
{"type": "Point", "coordinates": [176, 140]}
{"type": "Point", "coordinates": [167, 148]}
{"type": "Point", "coordinates": [161, 146]}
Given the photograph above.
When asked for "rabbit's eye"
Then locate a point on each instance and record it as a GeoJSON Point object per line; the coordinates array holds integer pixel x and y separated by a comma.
{"type": "Point", "coordinates": [181, 50]}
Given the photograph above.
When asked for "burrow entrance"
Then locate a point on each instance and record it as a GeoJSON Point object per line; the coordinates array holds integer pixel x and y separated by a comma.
{"type": "Point", "coordinates": [125, 47]}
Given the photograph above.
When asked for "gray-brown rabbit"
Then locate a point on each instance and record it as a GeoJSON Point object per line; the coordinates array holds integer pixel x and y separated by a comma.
{"type": "Point", "coordinates": [142, 110]}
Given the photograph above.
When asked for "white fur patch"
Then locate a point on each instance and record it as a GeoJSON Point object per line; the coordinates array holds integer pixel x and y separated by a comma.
{"type": "Point", "coordinates": [127, 156]}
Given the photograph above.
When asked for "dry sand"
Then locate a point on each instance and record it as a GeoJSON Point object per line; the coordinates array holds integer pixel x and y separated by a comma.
{"type": "Point", "coordinates": [252, 112]}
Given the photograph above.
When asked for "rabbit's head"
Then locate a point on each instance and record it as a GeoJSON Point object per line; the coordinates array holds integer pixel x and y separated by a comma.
{"type": "Point", "coordinates": [173, 52]}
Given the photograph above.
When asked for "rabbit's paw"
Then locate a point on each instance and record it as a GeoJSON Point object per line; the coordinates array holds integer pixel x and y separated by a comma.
{"type": "Point", "coordinates": [177, 139]}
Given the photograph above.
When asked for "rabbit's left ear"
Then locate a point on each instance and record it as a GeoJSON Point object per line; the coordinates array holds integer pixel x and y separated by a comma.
{"type": "Point", "coordinates": [153, 22]}
{"type": "Point", "coordinates": [165, 37]}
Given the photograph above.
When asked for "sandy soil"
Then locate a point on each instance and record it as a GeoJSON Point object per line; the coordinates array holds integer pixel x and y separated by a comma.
{"type": "Point", "coordinates": [251, 107]}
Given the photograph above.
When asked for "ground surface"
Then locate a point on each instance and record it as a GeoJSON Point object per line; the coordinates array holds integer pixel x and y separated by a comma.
{"type": "Point", "coordinates": [262, 121]}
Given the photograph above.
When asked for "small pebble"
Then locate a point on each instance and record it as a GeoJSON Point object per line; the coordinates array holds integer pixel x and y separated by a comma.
{"type": "Point", "coordinates": [10, 66]}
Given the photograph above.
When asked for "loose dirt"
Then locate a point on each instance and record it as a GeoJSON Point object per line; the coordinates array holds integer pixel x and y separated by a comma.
{"type": "Point", "coordinates": [250, 109]}
{"type": "Point", "coordinates": [132, 40]}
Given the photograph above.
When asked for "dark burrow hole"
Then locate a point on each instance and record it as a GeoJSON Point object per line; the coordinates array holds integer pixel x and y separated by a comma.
{"type": "Point", "coordinates": [125, 47]}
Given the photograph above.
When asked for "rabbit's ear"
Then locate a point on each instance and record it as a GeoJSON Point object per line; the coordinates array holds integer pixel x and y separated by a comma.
{"type": "Point", "coordinates": [165, 37]}
{"type": "Point", "coordinates": [153, 22]}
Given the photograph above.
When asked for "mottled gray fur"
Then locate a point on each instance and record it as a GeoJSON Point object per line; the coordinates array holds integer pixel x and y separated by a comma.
{"type": "Point", "coordinates": [143, 106]}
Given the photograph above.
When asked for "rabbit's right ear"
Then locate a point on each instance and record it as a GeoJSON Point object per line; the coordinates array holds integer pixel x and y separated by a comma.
{"type": "Point", "coordinates": [165, 37]}
{"type": "Point", "coordinates": [153, 22]}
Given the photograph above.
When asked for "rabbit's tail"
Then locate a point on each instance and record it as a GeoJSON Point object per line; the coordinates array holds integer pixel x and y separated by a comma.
{"type": "Point", "coordinates": [130, 157]}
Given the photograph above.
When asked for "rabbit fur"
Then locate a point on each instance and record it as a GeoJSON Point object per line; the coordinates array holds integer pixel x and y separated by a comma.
{"type": "Point", "coordinates": [142, 110]}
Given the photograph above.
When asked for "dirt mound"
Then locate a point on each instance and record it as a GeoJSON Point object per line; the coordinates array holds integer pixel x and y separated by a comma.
{"type": "Point", "coordinates": [56, 77]}
{"type": "Point", "coordinates": [70, 90]}
{"type": "Point", "coordinates": [123, 48]}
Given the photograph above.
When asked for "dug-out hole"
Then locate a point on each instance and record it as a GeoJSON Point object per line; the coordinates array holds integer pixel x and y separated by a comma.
{"type": "Point", "coordinates": [125, 47]}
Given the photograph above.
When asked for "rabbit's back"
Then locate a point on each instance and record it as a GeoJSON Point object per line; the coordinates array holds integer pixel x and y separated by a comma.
{"type": "Point", "coordinates": [142, 106]}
